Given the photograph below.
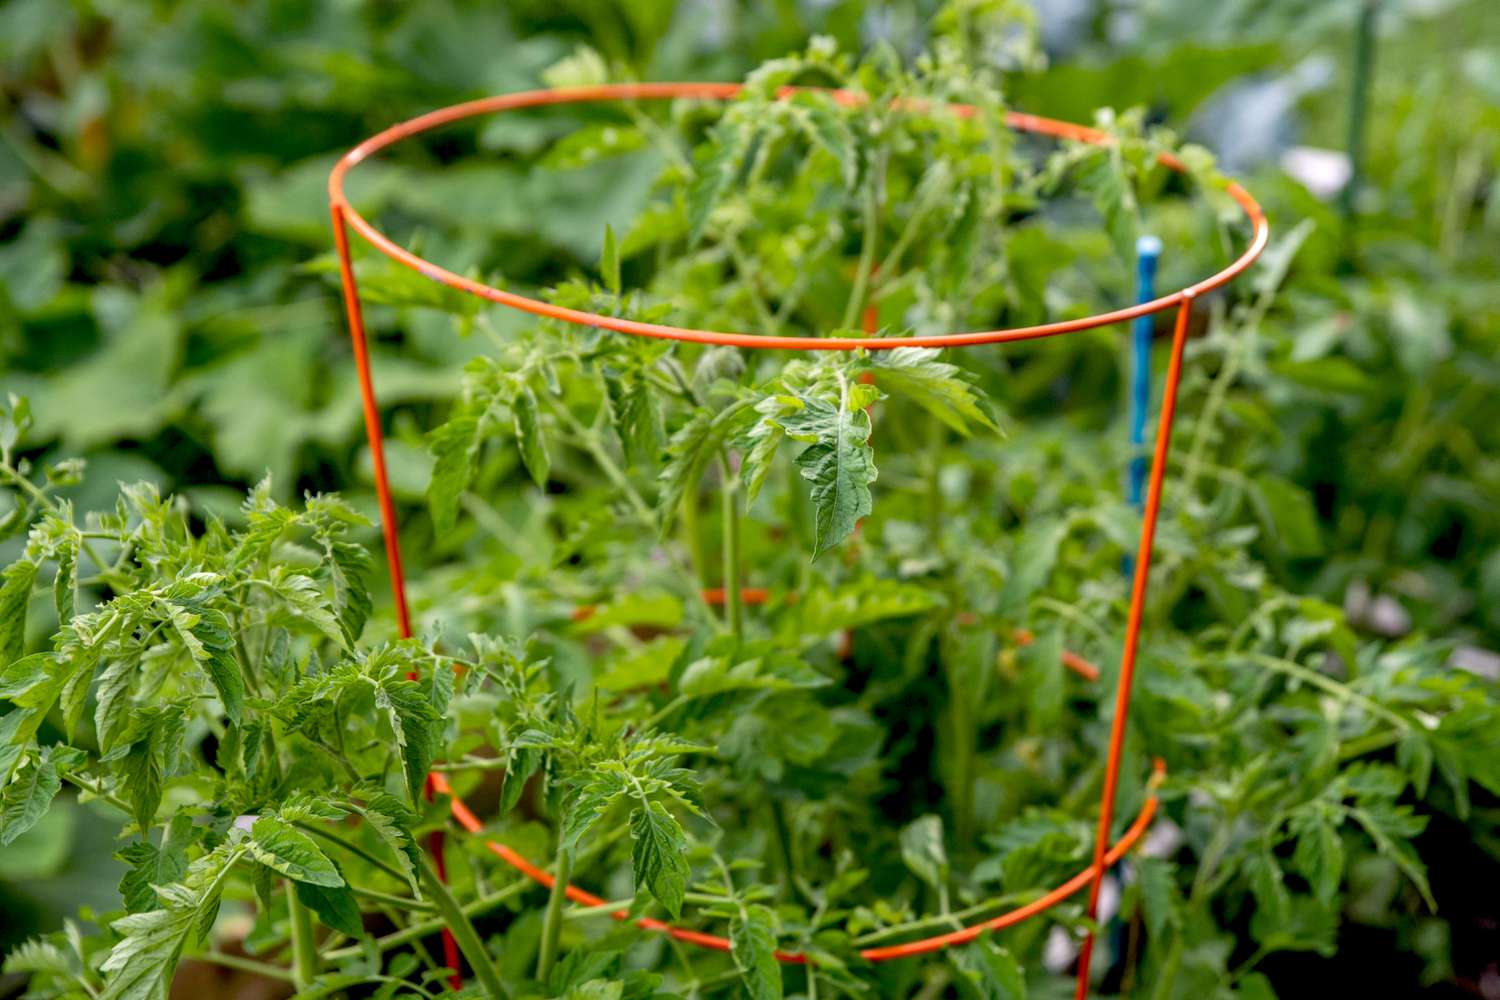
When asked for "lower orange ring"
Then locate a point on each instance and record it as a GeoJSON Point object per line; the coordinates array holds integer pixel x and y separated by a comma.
{"type": "Point", "coordinates": [885, 953]}
{"type": "Point", "coordinates": [470, 822]}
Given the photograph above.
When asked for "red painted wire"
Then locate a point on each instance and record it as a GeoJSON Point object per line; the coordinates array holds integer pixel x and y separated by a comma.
{"type": "Point", "coordinates": [466, 819]}
{"type": "Point", "coordinates": [345, 215]}
{"type": "Point", "coordinates": [1133, 628]}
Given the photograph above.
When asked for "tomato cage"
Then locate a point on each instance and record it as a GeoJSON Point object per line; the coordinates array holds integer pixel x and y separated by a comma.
{"type": "Point", "coordinates": [1105, 854]}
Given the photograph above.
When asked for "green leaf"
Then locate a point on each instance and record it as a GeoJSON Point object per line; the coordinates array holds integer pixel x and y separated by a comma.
{"type": "Point", "coordinates": [347, 565]}
{"type": "Point", "coordinates": [336, 907]}
{"type": "Point", "coordinates": [15, 595]}
{"type": "Point", "coordinates": [1105, 177]}
{"type": "Point", "coordinates": [923, 852]}
{"type": "Point", "coordinates": [1288, 514]}
{"type": "Point", "coordinates": [839, 463]}
{"type": "Point", "coordinates": [717, 168]}
{"type": "Point", "coordinates": [113, 703]}
{"type": "Point", "coordinates": [218, 660]}
{"type": "Point", "coordinates": [935, 386]}
{"type": "Point", "coordinates": [38, 957]}
{"type": "Point", "coordinates": [639, 418]}
{"type": "Point", "coordinates": [455, 450]}
{"type": "Point", "coordinates": [659, 855]}
{"type": "Point", "coordinates": [609, 262]}
{"type": "Point", "coordinates": [604, 788]}
{"type": "Point", "coordinates": [522, 764]}
{"type": "Point", "coordinates": [141, 964]}
{"type": "Point", "coordinates": [413, 722]}
{"type": "Point", "coordinates": [391, 821]}
{"type": "Point", "coordinates": [1319, 855]}
{"type": "Point", "coordinates": [770, 672]}
{"type": "Point", "coordinates": [1392, 827]}
{"type": "Point", "coordinates": [27, 797]}
{"type": "Point", "coordinates": [141, 780]}
{"type": "Point", "coordinates": [826, 127]}
{"type": "Point", "coordinates": [690, 449]}
{"type": "Point", "coordinates": [752, 943]}
{"type": "Point", "coordinates": [1046, 695]}
{"type": "Point", "coordinates": [152, 866]}
{"type": "Point", "coordinates": [283, 848]}
{"type": "Point", "coordinates": [27, 673]}
{"type": "Point", "coordinates": [987, 971]}
{"type": "Point", "coordinates": [528, 425]}
{"type": "Point", "coordinates": [67, 578]}
{"type": "Point", "coordinates": [1032, 563]}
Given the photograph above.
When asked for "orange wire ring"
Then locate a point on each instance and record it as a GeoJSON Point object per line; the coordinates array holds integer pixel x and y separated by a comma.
{"type": "Point", "coordinates": [345, 217]}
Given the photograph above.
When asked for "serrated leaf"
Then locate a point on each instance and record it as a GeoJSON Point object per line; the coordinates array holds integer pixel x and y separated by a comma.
{"type": "Point", "coordinates": [728, 142]}
{"type": "Point", "coordinates": [529, 437]}
{"type": "Point", "coordinates": [141, 964]}
{"type": "Point", "coordinates": [413, 720]}
{"type": "Point", "coordinates": [218, 661]}
{"type": "Point", "coordinates": [1319, 856]}
{"type": "Point", "coordinates": [639, 419]}
{"type": "Point", "coordinates": [659, 855]}
{"type": "Point", "coordinates": [348, 565]}
{"type": "Point", "coordinates": [1105, 177]}
{"type": "Point", "coordinates": [519, 768]}
{"type": "Point", "coordinates": [66, 580]}
{"type": "Point", "coordinates": [936, 386]}
{"type": "Point", "coordinates": [1392, 827]}
{"type": "Point", "coordinates": [602, 790]}
{"type": "Point", "coordinates": [38, 957]}
{"type": "Point", "coordinates": [112, 703]}
{"type": "Point", "coordinates": [15, 595]}
{"type": "Point", "coordinates": [283, 848]}
{"type": "Point", "coordinates": [152, 866]}
{"type": "Point", "coordinates": [141, 781]}
{"type": "Point", "coordinates": [1032, 563]}
{"type": "Point", "coordinates": [390, 820]}
{"type": "Point", "coordinates": [690, 449]}
{"type": "Point", "coordinates": [454, 447]}
{"type": "Point", "coordinates": [336, 907]}
{"type": "Point", "coordinates": [826, 127]}
{"type": "Point", "coordinates": [27, 797]}
{"type": "Point", "coordinates": [839, 463]}
{"type": "Point", "coordinates": [987, 971]}
{"type": "Point", "coordinates": [752, 943]}
{"type": "Point", "coordinates": [923, 852]}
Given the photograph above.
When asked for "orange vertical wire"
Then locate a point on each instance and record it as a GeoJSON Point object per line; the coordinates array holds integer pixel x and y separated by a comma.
{"type": "Point", "coordinates": [387, 507]}
{"type": "Point", "coordinates": [1133, 631]}
{"type": "Point", "coordinates": [372, 419]}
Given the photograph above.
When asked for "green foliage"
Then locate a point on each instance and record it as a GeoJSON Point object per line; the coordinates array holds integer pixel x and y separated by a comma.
{"type": "Point", "coordinates": [883, 727]}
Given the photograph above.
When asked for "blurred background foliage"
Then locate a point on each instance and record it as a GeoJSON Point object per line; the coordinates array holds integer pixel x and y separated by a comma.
{"type": "Point", "coordinates": [166, 297]}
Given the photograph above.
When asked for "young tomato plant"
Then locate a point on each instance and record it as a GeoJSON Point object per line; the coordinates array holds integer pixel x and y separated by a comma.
{"type": "Point", "coordinates": [785, 640]}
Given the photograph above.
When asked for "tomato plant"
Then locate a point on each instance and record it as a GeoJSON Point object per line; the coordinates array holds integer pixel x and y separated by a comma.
{"type": "Point", "coordinates": [733, 637]}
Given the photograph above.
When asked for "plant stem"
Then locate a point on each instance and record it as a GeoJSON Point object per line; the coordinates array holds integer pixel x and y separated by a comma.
{"type": "Point", "coordinates": [304, 946]}
{"type": "Point", "coordinates": [245, 965]}
{"type": "Point", "coordinates": [1339, 690]}
{"type": "Point", "coordinates": [463, 932]}
{"type": "Point", "coordinates": [351, 847]}
{"type": "Point", "coordinates": [729, 492]}
{"type": "Point", "coordinates": [400, 902]}
{"type": "Point", "coordinates": [871, 222]}
{"type": "Point", "coordinates": [552, 922]}
{"type": "Point", "coordinates": [426, 927]}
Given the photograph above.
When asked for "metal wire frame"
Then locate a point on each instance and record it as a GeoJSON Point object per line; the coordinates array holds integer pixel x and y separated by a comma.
{"type": "Point", "coordinates": [345, 217]}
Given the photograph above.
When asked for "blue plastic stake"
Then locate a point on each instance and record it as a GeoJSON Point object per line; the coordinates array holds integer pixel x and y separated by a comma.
{"type": "Point", "coordinates": [1147, 253]}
